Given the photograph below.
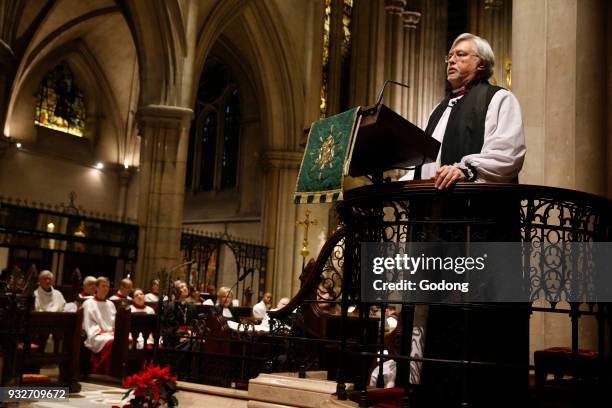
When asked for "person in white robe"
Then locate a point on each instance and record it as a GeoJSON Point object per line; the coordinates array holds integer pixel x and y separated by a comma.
{"type": "Point", "coordinates": [500, 158]}
{"type": "Point", "coordinates": [225, 301]}
{"type": "Point", "coordinates": [469, 65]}
{"type": "Point", "coordinates": [139, 305]}
{"type": "Point", "coordinates": [261, 308]}
{"type": "Point", "coordinates": [153, 294]}
{"type": "Point", "coordinates": [99, 326]}
{"type": "Point", "coordinates": [89, 288]}
{"type": "Point", "coordinates": [46, 298]}
{"type": "Point", "coordinates": [125, 288]}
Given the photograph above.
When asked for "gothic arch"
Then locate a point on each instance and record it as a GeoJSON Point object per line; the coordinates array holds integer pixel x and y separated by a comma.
{"type": "Point", "coordinates": [273, 64]}
{"type": "Point", "coordinates": [160, 35]}
{"type": "Point", "coordinates": [277, 65]}
{"type": "Point", "coordinates": [99, 97]}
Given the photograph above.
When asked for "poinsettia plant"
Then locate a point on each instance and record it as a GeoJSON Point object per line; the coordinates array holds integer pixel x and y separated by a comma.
{"type": "Point", "coordinates": [152, 387]}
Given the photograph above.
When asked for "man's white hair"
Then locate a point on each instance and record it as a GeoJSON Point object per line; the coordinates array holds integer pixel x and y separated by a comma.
{"type": "Point", "coordinates": [44, 273]}
{"type": "Point", "coordinates": [89, 279]}
{"type": "Point", "coordinates": [483, 51]}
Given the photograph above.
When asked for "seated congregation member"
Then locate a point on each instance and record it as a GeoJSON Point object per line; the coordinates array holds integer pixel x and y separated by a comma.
{"type": "Point", "coordinates": [282, 303]}
{"type": "Point", "coordinates": [261, 309]}
{"type": "Point", "coordinates": [177, 317]}
{"type": "Point", "coordinates": [138, 306]}
{"type": "Point", "coordinates": [183, 311]}
{"type": "Point", "coordinates": [265, 322]}
{"type": "Point", "coordinates": [194, 297]}
{"type": "Point", "coordinates": [99, 326]}
{"type": "Point", "coordinates": [125, 288]}
{"type": "Point", "coordinates": [225, 301]}
{"type": "Point", "coordinates": [326, 299]}
{"type": "Point", "coordinates": [89, 288]}
{"type": "Point", "coordinates": [153, 294]}
{"type": "Point", "coordinates": [48, 299]}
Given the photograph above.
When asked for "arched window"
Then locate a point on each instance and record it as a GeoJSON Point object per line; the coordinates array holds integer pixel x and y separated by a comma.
{"type": "Point", "coordinates": [214, 137]}
{"type": "Point", "coordinates": [231, 133]}
{"type": "Point", "coordinates": [60, 104]}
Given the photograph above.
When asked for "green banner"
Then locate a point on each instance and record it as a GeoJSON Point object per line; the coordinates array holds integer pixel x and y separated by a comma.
{"type": "Point", "coordinates": [321, 177]}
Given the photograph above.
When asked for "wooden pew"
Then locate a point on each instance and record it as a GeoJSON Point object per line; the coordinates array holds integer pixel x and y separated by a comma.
{"type": "Point", "coordinates": [126, 357]}
{"type": "Point", "coordinates": [66, 331]}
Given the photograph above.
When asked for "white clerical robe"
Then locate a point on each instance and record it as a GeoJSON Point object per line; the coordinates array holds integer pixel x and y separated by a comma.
{"type": "Point", "coordinates": [503, 149]}
{"type": "Point", "coordinates": [52, 301]}
{"type": "Point", "coordinates": [98, 323]}
{"type": "Point", "coordinates": [146, 309]}
{"type": "Point", "coordinates": [151, 297]}
{"type": "Point", "coordinates": [260, 310]}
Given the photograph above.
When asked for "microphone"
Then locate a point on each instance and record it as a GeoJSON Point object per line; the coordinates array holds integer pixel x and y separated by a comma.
{"type": "Point", "coordinates": [380, 94]}
{"type": "Point", "coordinates": [240, 279]}
{"type": "Point", "coordinates": [174, 268]}
{"type": "Point", "coordinates": [245, 274]}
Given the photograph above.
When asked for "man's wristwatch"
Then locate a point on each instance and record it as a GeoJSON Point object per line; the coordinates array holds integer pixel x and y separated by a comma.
{"type": "Point", "coordinates": [469, 172]}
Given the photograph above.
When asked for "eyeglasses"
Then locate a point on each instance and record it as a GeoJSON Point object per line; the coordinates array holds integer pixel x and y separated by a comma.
{"type": "Point", "coordinates": [460, 55]}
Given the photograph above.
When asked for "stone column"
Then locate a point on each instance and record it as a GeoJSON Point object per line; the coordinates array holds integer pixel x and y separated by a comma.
{"type": "Point", "coordinates": [394, 51]}
{"type": "Point", "coordinates": [492, 20]}
{"type": "Point", "coordinates": [280, 214]}
{"type": "Point", "coordinates": [124, 176]}
{"type": "Point", "coordinates": [430, 70]}
{"type": "Point", "coordinates": [368, 65]}
{"type": "Point", "coordinates": [411, 20]}
{"type": "Point", "coordinates": [163, 154]}
{"type": "Point", "coordinates": [557, 49]}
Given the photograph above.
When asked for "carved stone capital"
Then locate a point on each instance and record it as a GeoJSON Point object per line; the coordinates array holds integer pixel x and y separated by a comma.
{"type": "Point", "coordinates": [395, 6]}
{"type": "Point", "coordinates": [278, 159]}
{"type": "Point", "coordinates": [493, 4]}
{"type": "Point", "coordinates": [411, 19]}
{"type": "Point", "coordinates": [163, 116]}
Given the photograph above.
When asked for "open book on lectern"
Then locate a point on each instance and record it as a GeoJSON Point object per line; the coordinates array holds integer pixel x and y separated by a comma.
{"type": "Point", "coordinates": [359, 142]}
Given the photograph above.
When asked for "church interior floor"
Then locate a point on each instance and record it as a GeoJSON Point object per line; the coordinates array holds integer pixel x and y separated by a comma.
{"type": "Point", "coordinates": [97, 395]}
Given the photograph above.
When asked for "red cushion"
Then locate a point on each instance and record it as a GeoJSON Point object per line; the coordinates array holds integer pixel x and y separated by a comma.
{"type": "Point", "coordinates": [566, 352]}
{"type": "Point", "coordinates": [35, 379]}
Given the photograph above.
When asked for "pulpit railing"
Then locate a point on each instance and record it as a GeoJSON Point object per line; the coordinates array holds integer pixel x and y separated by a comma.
{"type": "Point", "coordinates": [472, 352]}
{"type": "Point", "coordinates": [446, 353]}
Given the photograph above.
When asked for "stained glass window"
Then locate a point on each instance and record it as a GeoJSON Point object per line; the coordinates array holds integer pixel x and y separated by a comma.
{"type": "Point", "coordinates": [345, 52]}
{"type": "Point", "coordinates": [325, 59]}
{"type": "Point", "coordinates": [336, 57]}
{"type": "Point", "coordinates": [60, 102]}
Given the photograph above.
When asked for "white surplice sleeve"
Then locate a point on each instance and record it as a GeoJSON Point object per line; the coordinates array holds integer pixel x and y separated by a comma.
{"type": "Point", "coordinates": [503, 149]}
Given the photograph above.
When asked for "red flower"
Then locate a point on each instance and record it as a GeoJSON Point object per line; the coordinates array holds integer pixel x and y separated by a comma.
{"type": "Point", "coordinates": [149, 383]}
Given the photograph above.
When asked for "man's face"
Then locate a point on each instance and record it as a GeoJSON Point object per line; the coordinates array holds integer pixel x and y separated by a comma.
{"type": "Point", "coordinates": [126, 289]}
{"type": "Point", "coordinates": [155, 288]}
{"type": "Point", "coordinates": [90, 288]}
{"type": "Point", "coordinates": [463, 65]}
{"type": "Point", "coordinates": [267, 298]}
{"type": "Point", "coordinates": [184, 290]}
{"type": "Point", "coordinates": [139, 298]}
{"type": "Point", "coordinates": [102, 290]}
{"type": "Point", "coordinates": [45, 282]}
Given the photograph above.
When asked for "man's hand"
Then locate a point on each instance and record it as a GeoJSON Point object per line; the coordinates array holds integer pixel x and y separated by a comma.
{"type": "Point", "coordinates": [447, 176]}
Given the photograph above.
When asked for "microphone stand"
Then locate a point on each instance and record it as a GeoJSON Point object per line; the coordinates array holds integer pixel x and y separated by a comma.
{"type": "Point", "coordinates": [380, 94]}
{"type": "Point", "coordinates": [240, 279]}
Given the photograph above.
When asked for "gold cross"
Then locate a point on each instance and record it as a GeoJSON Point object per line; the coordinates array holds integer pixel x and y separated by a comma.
{"type": "Point", "coordinates": [306, 223]}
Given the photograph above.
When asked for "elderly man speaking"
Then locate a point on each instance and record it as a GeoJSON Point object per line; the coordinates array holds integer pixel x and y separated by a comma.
{"type": "Point", "coordinates": [479, 125]}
